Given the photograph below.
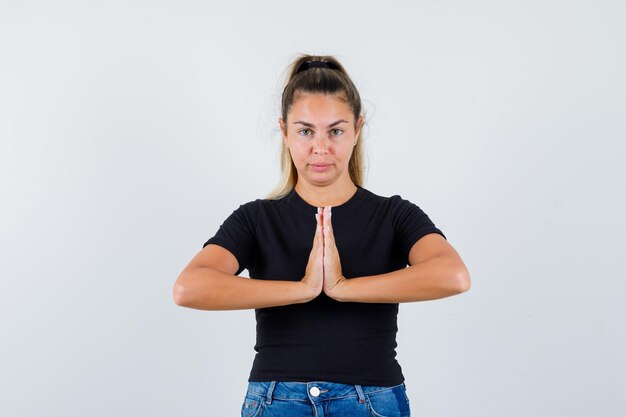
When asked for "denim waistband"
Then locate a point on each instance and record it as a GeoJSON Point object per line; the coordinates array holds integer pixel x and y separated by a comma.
{"type": "Point", "coordinates": [313, 391]}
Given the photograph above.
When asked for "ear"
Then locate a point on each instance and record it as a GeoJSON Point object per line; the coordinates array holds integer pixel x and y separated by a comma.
{"type": "Point", "coordinates": [283, 130]}
{"type": "Point", "coordinates": [359, 125]}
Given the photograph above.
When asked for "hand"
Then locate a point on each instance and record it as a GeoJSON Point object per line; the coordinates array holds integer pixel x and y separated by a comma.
{"type": "Point", "coordinates": [314, 273]}
{"type": "Point", "coordinates": [333, 276]}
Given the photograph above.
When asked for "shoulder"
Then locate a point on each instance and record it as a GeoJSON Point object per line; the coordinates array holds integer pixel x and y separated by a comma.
{"type": "Point", "coordinates": [253, 207]}
{"type": "Point", "coordinates": [248, 208]}
{"type": "Point", "coordinates": [403, 212]}
{"type": "Point", "coordinates": [259, 208]}
{"type": "Point", "coordinates": [393, 202]}
{"type": "Point", "coordinates": [373, 198]}
{"type": "Point", "coordinates": [245, 215]}
{"type": "Point", "coordinates": [272, 204]}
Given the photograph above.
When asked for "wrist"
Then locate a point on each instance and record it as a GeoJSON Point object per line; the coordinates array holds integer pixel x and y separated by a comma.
{"type": "Point", "coordinates": [339, 290]}
{"type": "Point", "coordinates": [308, 292]}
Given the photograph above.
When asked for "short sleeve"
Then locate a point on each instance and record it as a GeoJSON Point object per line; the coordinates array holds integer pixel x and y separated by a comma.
{"type": "Point", "coordinates": [410, 224]}
{"type": "Point", "coordinates": [237, 234]}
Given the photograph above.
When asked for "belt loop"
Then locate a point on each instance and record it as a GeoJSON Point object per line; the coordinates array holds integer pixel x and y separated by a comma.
{"type": "Point", "coordinates": [270, 390]}
{"type": "Point", "coordinates": [359, 391]}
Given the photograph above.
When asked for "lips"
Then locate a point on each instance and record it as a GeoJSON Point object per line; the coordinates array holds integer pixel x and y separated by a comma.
{"type": "Point", "coordinates": [320, 167]}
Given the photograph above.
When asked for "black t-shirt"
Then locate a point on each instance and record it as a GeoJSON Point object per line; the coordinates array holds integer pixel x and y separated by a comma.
{"type": "Point", "coordinates": [324, 339]}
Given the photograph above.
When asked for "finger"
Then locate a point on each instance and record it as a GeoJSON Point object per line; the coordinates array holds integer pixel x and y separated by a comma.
{"type": "Point", "coordinates": [318, 232]}
{"type": "Point", "coordinates": [328, 216]}
{"type": "Point", "coordinates": [328, 238]}
{"type": "Point", "coordinates": [328, 224]}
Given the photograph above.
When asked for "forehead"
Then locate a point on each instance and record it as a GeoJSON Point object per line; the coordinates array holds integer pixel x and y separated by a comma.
{"type": "Point", "coordinates": [319, 105]}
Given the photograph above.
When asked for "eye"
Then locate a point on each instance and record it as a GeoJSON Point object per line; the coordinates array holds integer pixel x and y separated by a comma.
{"type": "Point", "coordinates": [304, 130]}
{"type": "Point", "coordinates": [337, 130]}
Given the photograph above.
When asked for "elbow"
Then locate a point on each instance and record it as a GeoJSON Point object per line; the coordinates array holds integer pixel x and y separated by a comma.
{"type": "Point", "coordinates": [179, 295]}
{"type": "Point", "coordinates": [193, 291]}
{"type": "Point", "coordinates": [457, 278]}
{"type": "Point", "coordinates": [462, 281]}
{"type": "Point", "coordinates": [181, 291]}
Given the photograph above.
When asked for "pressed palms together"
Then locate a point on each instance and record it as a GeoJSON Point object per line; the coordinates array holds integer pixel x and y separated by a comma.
{"type": "Point", "coordinates": [323, 271]}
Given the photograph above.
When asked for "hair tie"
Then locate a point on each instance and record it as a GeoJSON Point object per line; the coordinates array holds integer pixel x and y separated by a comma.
{"type": "Point", "coordinates": [312, 64]}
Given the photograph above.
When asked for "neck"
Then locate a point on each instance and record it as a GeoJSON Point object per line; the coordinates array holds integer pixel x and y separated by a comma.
{"type": "Point", "coordinates": [329, 195]}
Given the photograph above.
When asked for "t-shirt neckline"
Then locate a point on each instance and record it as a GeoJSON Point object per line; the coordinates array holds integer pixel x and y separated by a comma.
{"type": "Point", "coordinates": [301, 203]}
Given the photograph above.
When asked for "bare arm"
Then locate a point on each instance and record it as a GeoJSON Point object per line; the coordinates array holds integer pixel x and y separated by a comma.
{"type": "Point", "coordinates": [209, 283]}
{"type": "Point", "coordinates": [436, 271]}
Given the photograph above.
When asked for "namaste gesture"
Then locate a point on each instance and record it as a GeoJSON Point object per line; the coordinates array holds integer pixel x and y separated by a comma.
{"type": "Point", "coordinates": [323, 271]}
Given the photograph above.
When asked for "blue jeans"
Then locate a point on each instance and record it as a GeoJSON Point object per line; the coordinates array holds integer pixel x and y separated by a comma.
{"type": "Point", "coordinates": [324, 399]}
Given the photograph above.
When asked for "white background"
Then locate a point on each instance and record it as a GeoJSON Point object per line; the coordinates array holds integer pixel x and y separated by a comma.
{"type": "Point", "coordinates": [131, 129]}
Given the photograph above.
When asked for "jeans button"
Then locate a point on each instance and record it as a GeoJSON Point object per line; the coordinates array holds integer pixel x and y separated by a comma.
{"type": "Point", "coordinates": [315, 391]}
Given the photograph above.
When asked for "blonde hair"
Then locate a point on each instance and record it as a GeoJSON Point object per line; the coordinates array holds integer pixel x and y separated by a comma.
{"type": "Point", "coordinates": [333, 81]}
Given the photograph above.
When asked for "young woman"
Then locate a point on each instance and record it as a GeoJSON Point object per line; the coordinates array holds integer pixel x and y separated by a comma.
{"type": "Point", "coordinates": [328, 262]}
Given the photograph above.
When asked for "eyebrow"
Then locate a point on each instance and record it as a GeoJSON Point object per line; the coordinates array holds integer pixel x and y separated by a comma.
{"type": "Point", "coordinates": [330, 125]}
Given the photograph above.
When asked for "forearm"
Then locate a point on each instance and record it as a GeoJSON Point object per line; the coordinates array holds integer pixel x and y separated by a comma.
{"type": "Point", "coordinates": [209, 289]}
{"type": "Point", "coordinates": [438, 277]}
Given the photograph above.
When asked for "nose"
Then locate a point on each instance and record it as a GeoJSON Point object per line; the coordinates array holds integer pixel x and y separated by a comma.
{"type": "Point", "coordinates": [320, 145]}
